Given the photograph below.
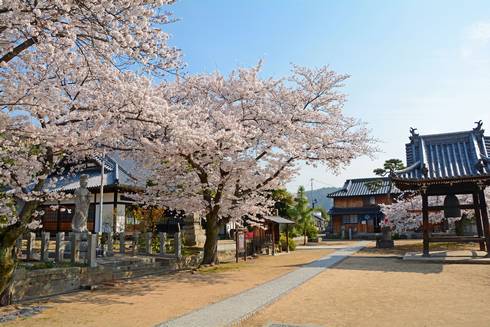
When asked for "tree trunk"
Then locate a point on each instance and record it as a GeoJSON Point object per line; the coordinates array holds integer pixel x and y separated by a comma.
{"type": "Point", "coordinates": [304, 233]}
{"type": "Point", "coordinates": [211, 244]}
{"type": "Point", "coordinates": [7, 267]}
{"type": "Point", "coordinates": [8, 236]}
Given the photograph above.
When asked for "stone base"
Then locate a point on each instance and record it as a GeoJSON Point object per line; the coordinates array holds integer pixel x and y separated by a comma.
{"type": "Point", "coordinates": [385, 244]}
{"type": "Point", "coordinates": [192, 231]}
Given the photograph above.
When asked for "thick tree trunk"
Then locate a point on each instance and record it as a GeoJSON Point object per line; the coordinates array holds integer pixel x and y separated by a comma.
{"type": "Point", "coordinates": [8, 236]}
{"type": "Point", "coordinates": [211, 244]}
{"type": "Point", "coordinates": [7, 267]}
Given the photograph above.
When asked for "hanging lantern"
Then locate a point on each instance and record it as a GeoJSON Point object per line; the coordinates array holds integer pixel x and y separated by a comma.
{"type": "Point", "coordinates": [451, 206]}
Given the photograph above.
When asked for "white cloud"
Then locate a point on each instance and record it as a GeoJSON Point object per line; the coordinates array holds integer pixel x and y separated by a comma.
{"type": "Point", "coordinates": [476, 42]}
{"type": "Point", "coordinates": [479, 32]}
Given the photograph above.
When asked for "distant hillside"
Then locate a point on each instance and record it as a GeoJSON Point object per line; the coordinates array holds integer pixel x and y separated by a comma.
{"type": "Point", "coordinates": [321, 196]}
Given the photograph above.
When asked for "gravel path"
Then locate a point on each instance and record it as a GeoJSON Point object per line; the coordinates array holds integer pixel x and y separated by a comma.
{"type": "Point", "coordinates": [241, 306]}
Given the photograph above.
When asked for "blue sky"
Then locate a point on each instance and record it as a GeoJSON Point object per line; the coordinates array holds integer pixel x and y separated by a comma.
{"type": "Point", "coordinates": [423, 64]}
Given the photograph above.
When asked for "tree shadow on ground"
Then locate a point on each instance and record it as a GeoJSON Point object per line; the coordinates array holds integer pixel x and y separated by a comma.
{"type": "Point", "coordinates": [388, 264]}
{"type": "Point", "coordinates": [124, 291]}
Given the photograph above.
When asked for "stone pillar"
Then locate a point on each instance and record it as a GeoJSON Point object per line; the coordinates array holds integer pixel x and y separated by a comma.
{"type": "Point", "coordinates": [45, 246]}
{"type": "Point", "coordinates": [110, 244]}
{"type": "Point", "coordinates": [91, 250]}
{"type": "Point", "coordinates": [178, 245]}
{"type": "Point", "coordinates": [122, 243]}
{"type": "Point", "coordinates": [60, 247]}
{"type": "Point", "coordinates": [31, 238]}
{"type": "Point", "coordinates": [192, 231]}
{"type": "Point", "coordinates": [148, 240]}
{"type": "Point", "coordinates": [18, 247]}
{"type": "Point", "coordinates": [136, 238]}
{"type": "Point", "coordinates": [162, 237]}
{"type": "Point", "coordinates": [75, 247]}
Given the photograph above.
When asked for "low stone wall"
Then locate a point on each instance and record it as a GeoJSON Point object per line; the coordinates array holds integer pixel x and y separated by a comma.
{"type": "Point", "coordinates": [31, 284]}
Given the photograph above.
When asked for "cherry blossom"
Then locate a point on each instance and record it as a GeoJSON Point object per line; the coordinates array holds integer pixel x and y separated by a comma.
{"type": "Point", "coordinates": [406, 213]}
{"type": "Point", "coordinates": [221, 142]}
{"type": "Point", "coordinates": [68, 71]}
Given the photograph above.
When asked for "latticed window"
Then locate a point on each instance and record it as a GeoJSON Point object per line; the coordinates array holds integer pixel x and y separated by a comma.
{"type": "Point", "coordinates": [349, 219]}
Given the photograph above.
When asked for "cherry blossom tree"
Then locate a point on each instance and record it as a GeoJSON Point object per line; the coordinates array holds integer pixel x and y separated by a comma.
{"type": "Point", "coordinates": [222, 142]}
{"type": "Point", "coordinates": [406, 213]}
{"type": "Point", "coordinates": [69, 70]}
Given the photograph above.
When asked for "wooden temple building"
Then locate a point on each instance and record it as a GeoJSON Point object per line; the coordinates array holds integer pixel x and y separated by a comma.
{"type": "Point", "coordinates": [118, 178]}
{"type": "Point", "coordinates": [448, 165]}
{"type": "Point", "coordinates": [356, 206]}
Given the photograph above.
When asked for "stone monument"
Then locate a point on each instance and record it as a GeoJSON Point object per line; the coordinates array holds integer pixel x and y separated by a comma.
{"type": "Point", "coordinates": [194, 234]}
{"type": "Point", "coordinates": [77, 247]}
{"type": "Point", "coordinates": [82, 204]}
{"type": "Point", "coordinates": [386, 242]}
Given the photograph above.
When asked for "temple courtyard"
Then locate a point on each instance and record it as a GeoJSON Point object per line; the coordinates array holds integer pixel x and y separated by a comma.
{"type": "Point", "coordinates": [332, 284]}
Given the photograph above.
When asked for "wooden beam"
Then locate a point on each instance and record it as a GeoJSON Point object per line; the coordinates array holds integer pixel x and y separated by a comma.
{"type": "Point", "coordinates": [114, 213]}
{"type": "Point", "coordinates": [58, 222]}
{"type": "Point", "coordinates": [287, 238]}
{"type": "Point", "coordinates": [484, 216]}
{"type": "Point", "coordinates": [425, 216]}
{"type": "Point", "coordinates": [462, 206]}
{"type": "Point", "coordinates": [478, 220]}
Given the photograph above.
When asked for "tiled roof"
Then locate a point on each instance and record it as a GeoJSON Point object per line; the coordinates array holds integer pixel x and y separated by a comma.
{"type": "Point", "coordinates": [445, 156]}
{"type": "Point", "coordinates": [279, 220]}
{"type": "Point", "coordinates": [361, 187]}
{"type": "Point", "coordinates": [114, 174]}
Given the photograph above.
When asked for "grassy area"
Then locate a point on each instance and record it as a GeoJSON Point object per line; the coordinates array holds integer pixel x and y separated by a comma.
{"type": "Point", "coordinates": [222, 267]}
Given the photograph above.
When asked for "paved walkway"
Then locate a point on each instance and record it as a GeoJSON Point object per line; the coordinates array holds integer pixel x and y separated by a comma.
{"type": "Point", "coordinates": [238, 307]}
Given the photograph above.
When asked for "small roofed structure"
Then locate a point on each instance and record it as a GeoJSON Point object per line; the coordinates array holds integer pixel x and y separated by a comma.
{"type": "Point", "coordinates": [273, 223]}
{"type": "Point", "coordinates": [447, 165]}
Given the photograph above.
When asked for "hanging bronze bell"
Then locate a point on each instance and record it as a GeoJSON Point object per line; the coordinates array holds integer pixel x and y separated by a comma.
{"type": "Point", "coordinates": [451, 206]}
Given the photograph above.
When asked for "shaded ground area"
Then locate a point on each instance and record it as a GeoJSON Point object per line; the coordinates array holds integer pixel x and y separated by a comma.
{"type": "Point", "coordinates": [404, 246]}
{"type": "Point", "coordinates": [374, 291]}
{"type": "Point", "coordinates": [148, 301]}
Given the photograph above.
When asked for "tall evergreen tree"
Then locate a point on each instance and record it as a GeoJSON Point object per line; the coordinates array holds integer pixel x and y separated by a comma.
{"type": "Point", "coordinates": [302, 214]}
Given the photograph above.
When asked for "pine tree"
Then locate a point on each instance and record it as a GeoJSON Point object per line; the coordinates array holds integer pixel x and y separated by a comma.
{"type": "Point", "coordinates": [302, 214]}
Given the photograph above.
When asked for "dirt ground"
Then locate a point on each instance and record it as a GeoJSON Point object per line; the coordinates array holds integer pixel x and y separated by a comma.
{"type": "Point", "coordinates": [148, 301]}
{"type": "Point", "coordinates": [404, 246]}
{"type": "Point", "coordinates": [371, 290]}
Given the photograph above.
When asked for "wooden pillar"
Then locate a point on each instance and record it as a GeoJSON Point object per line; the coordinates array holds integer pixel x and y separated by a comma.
{"type": "Point", "coordinates": [58, 222]}
{"type": "Point", "coordinates": [273, 239]}
{"type": "Point", "coordinates": [287, 238]}
{"type": "Point", "coordinates": [484, 217]}
{"type": "Point", "coordinates": [425, 217]}
{"type": "Point", "coordinates": [236, 245]}
{"type": "Point", "coordinates": [114, 213]}
{"type": "Point", "coordinates": [478, 220]}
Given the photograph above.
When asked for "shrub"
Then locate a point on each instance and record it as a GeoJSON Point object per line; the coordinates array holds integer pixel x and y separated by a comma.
{"type": "Point", "coordinates": [283, 244]}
